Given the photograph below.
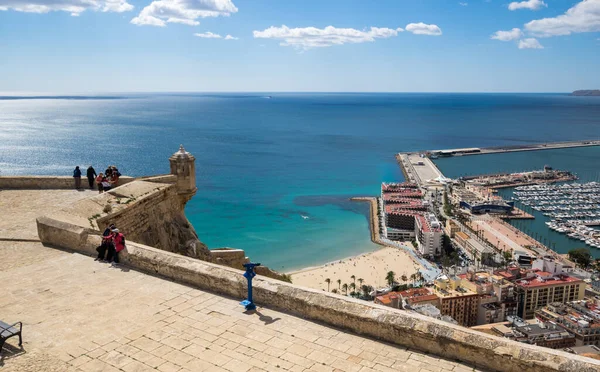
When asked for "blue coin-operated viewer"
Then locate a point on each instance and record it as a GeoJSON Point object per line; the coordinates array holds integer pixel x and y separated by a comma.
{"type": "Point", "coordinates": [249, 274]}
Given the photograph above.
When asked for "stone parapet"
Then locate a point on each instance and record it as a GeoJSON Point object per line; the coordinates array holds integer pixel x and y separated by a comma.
{"type": "Point", "coordinates": [364, 318]}
{"type": "Point", "coordinates": [162, 178]}
{"type": "Point", "coordinates": [46, 182]}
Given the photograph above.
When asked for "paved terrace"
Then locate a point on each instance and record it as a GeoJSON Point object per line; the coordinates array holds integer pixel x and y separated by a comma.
{"type": "Point", "coordinates": [81, 315]}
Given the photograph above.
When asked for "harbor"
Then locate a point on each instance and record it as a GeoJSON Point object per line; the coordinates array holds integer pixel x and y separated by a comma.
{"type": "Point", "coordinates": [497, 194]}
{"type": "Point", "coordinates": [574, 208]}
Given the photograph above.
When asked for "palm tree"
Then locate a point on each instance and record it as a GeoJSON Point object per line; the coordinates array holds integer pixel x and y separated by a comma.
{"type": "Point", "coordinates": [353, 277]}
{"type": "Point", "coordinates": [390, 278]}
{"type": "Point", "coordinates": [339, 282]}
{"type": "Point", "coordinates": [360, 281]}
{"type": "Point", "coordinates": [328, 281]}
{"type": "Point", "coordinates": [413, 278]}
{"type": "Point", "coordinates": [404, 278]}
{"type": "Point", "coordinates": [420, 276]}
{"type": "Point", "coordinates": [507, 256]}
{"type": "Point", "coordinates": [345, 288]}
{"type": "Point", "coordinates": [366, 289]}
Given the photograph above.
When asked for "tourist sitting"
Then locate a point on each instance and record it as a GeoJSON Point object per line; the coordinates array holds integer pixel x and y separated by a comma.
{"type": "Point", "coordinates": [107, 243]}
{"type": "Point", "coordinates": [118, 240]}
{"type": "Point", "coordinates": [115, 176]}
{"type": "Point", "coordinates": [99, 180]}
{"type": "Point", "coordinates": [106, 185]}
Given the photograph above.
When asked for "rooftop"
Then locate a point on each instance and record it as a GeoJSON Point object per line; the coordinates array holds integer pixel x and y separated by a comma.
{"type": "Point", "coordinates": [537, 282]}
{"type": "Point", "coordinates": [416, 295]}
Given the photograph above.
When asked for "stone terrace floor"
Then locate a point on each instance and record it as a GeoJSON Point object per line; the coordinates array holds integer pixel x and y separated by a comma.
{"type": "Point", "coordinates": [82, 315]}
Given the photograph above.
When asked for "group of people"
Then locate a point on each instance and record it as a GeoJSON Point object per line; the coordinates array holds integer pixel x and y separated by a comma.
{"type": "Point", "coordinates": [105, 181]}
{"type": "Point", "coordinates": [113, 242]}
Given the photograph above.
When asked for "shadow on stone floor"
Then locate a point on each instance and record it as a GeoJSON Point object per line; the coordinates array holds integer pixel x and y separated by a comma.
{"type": "Point", "coordinates": [10, 351]}
{"type": "Point", "coordinates": [262, 317]}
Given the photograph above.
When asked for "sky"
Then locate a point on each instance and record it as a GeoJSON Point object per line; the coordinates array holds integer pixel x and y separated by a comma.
{"type": "Point", "coordinates": [103, 46]}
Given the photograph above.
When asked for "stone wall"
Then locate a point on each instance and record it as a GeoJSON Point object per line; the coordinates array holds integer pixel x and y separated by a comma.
{"type": "Point", "coordinates": [391, 325]}
{"type": "Point", "coordinates": [46, 182]}
{"type": "Point", "coordinates": [155, 216]}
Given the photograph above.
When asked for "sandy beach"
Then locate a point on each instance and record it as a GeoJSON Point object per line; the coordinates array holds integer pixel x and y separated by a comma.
{"type": "Point", "coordinates": [372, 267]}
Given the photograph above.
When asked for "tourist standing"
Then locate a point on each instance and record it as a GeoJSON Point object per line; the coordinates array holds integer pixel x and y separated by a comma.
{"type": "Point", "coordinates": [77, 177]}
{"type": "Point", "coordinates": [91, 174]}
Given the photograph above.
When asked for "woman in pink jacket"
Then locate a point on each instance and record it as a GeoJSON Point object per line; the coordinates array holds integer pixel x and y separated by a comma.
{"type": "Point", "coordinates": [119, 244]}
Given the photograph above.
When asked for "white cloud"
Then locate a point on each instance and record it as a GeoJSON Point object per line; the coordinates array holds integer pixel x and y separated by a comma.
{"type": "Point", "coordinates": [530, 43]}
{"type": "Point", "coordinates": [75, 7]}
{"type": "Point", "coordinates": [583, 17]}
{"type": "Point", "coordinates": [513, 34]}
{"type": "Point", "coordinates": [208, 35]}
{"type": "Point", "coordinates": [187, 12]}
{"type": "Point", "coordinates": [528, 4]}
{"type": "Point", "coordinates": [312, 37]}
{"type": "Point", "coordinates": [423, 29]}
{"type": "Point", "coordinates": [463, 4]}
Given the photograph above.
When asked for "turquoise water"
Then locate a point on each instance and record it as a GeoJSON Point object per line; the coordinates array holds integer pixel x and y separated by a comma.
{"type": "Point", "coordinates": [582, 161]}
{"type": "Point", "coordinates": [263, 163]}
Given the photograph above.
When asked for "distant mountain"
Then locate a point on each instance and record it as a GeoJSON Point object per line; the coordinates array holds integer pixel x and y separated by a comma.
{"type": "Point", "coordinates": [594, 92]}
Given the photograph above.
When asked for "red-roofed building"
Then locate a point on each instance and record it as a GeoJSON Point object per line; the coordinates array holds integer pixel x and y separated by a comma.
{"type": "Point", "coordinates": [410, 297]}
{"type": "Point", "coordinates": [405, 188]}
{"type": "Point", "coordinates": [538, 289]}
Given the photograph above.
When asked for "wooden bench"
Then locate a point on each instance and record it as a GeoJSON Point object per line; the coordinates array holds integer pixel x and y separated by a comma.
{"type": "Point", "coordinates": [7, 331]}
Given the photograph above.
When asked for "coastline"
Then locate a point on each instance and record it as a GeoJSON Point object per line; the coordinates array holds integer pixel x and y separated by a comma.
{"type": "Point", "coordinates": [369, 266]}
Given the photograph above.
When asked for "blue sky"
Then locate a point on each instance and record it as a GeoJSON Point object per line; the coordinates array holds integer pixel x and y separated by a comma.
{"type": "Point", "coordinates": [89, 46]}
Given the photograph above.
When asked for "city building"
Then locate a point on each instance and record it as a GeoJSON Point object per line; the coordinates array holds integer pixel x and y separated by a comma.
{"type": "Point", "coordinates": [582, 318]}
{"type": "Point", "coordinates": [498, 298]}
{"type": "Point", "coordinates": [589, 351]}
{"type": "Point", "coordinates": [429, 233]}
{"type": "Point", "coordinates": [456, 301]}
{"type": "Point", "coordinates": [452, 228]}
{"type": "Point", "coordinates": [406, 217]}
{"type": "Point", "coordinates": [537, 289]}
{"type": "Point", "coordinates": [408, 298]}
{"type": "Point", "coordinates": [487, 206]}
{"type": "Point", "coordinates": [534, 333]}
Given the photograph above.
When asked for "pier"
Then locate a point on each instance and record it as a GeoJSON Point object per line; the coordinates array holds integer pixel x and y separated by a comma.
{"type": "Point", "coordinates": [418, 169]}
{"type": "Point", "coordinates": [515, 148]}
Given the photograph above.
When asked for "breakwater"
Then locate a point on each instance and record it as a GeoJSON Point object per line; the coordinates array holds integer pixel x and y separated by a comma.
{"type": "Point", "coordinates": [516, 148]}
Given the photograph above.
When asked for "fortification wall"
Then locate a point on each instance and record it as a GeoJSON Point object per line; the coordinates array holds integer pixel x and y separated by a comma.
{"type": "Point", "coordinates": [155, 216]}
{"type": "Point", "coordinates": [46, 182]}
{"type": "Point", "coordinates": [395, 326]}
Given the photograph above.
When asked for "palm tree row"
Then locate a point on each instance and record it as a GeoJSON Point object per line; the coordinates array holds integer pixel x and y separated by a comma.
{"type": "Point", "coordinates": [344, 287]}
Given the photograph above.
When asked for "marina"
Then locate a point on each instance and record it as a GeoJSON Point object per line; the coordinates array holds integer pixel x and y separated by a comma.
{"type": "Point", "coordinates": [574, 208]}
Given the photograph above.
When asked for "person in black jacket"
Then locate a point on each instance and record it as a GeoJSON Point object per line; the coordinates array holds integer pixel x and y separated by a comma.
{"type": "Point", "coordinates": [107, 244]}
{"type": "Point", "coordinates": [77, 177]}
{"type": "Point", "coordinates": [91, 175]}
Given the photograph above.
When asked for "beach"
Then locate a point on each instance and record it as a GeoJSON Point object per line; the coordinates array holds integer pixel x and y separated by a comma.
{"type": "Point", "coordinates": [372, 267]}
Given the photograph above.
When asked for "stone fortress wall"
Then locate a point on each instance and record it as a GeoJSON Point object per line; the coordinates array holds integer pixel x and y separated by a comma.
{"type": "Point", "coordinates": [146, 209]}
{"type": "Point", "coordinates": [45, 182]}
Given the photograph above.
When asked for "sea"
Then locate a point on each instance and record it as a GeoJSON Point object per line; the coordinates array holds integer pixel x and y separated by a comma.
{"type": "Point", "coordinates": [275, 171]}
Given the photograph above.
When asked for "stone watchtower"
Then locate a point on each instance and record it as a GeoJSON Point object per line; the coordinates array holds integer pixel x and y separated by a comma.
{"type": "Point", "coordinates": [183, 166]}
